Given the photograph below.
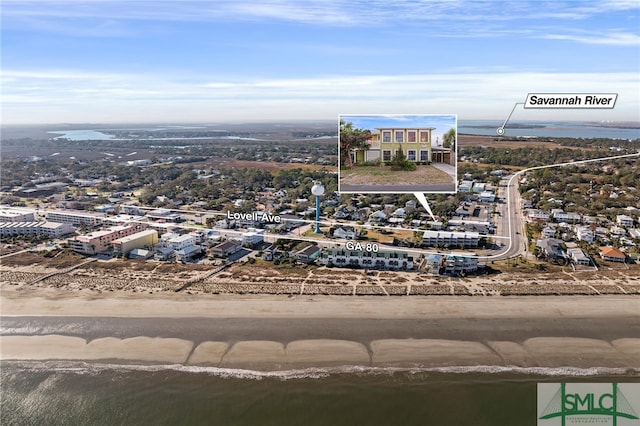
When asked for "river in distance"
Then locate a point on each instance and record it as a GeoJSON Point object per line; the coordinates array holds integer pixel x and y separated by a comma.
{"type": "Point", "coordinates": [74, 393]}
{"type": "Point", "coordinates": [567, 129]}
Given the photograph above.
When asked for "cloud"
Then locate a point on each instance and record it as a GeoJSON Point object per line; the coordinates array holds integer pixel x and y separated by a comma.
{"type": "Point", "coordinates": [60, 96]}
{"type": "Point", "coordinates": [615, 39]}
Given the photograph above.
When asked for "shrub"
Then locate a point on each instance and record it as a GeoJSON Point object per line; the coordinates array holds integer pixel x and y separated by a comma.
{"type": "Point", "coordinates": [400, 162]}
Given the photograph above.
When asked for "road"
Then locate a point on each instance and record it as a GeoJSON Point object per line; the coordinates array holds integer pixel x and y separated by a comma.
{"type": "Point", "coordinates": [511, 221]}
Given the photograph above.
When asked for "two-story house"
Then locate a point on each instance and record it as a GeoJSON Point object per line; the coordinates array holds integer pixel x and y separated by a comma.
{"type": "Point", "coordinates": [384, 144]}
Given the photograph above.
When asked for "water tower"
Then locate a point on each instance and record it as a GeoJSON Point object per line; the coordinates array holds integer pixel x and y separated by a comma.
{"type": "Point", "coordinates": [317, 189]}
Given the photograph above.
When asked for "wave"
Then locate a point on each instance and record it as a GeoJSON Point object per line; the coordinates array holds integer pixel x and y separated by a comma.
{"type": "Point", "coordinates": [79, 367]}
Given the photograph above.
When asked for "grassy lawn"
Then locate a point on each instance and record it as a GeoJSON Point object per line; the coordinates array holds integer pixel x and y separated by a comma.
{"type": "Point", "coordinates": [383, 175]}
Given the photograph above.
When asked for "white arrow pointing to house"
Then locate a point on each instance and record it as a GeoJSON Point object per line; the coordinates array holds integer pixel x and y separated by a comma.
{"type": "Point", "coordinates": [423, 200]}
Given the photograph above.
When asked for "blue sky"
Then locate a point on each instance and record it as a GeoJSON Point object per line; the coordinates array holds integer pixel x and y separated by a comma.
{"type": "Point", "coordinates": [210, 61]}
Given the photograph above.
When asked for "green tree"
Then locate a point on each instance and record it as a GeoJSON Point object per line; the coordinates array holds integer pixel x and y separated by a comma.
{"type": "Point", "coordinates": [449, 139]}
{"type": "Point", "coordinates": [351, 138]}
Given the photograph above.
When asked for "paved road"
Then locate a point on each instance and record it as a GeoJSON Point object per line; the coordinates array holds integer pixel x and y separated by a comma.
{"type": "Point", "coordinates": [510, 222]}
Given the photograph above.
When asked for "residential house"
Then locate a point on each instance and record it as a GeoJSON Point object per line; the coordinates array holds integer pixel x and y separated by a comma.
{"type": "Point", "coordinates": [548, 232]}
{"type": "Point", "coordinates": [534, 214]}
{"type": "Point", "coordinates": [308, 254]}
{"type": "Point", "coordinates": [624, 221]}
{"type": "Point", "coordinates": [180, 242]}
{"type": "Point", "coordinates": [346, 232]}
{"type": "Point", "coordinates": [341, 213]}
{"type": "Point", "coordinates": [361, 214]}
{"type": "Point", "coordinates": [384, 144]}
{"type": "Point", "coordinates": [578, 257]}
{"type": "Point", "coordinates": [452, 264]}
{"type": "Point", "coordinates": [399, 213]}
{"type": "Point", "coordinates": [164, 254]}
{"type": "Point", "coordinates": [584, 233]}
{"type": "Point", "coordinates": [465, 186]}
{"type": "Point", "coordinates": [560, 215]}
{"type": "Point", "coordinates": [612, 254]}
{"type": "Point", "coordinates": [187, 253]}
{"type": "Point", "coordinates": [252, 238]}
{"type": "Point", "coordinates": [487, 196]}
{"type": "Point", "coordinates": [551, 248]}
{"type": "Point", "coordinates": [226, 248]}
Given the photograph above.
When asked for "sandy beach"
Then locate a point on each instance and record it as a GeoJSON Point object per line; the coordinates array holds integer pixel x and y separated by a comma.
{"type": "Point", "coordinates": [276, 332]}
{"type": "Point", "coordinates": [252, 317]}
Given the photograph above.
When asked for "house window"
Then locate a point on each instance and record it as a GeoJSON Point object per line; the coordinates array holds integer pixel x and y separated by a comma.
{"type": "Point", "coordinates": [399, 136]}
{"type": "Point", "coordinates": [424, 137]}
{"type": "Point", "coordinates": [386, 136]}
{"type": "Point", "coordinates": [386, 155]}
{"type": "Point", "coordinates": [424, 155]}
{"type": "Point", "coordinates": [411, 136]}
{"type": "Point", "coordinates": [411, 155]}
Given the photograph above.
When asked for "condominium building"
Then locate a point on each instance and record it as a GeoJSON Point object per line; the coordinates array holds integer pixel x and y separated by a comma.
{"type": "Point", "coordinates": [450, 239]}
{"type": "Point", "coordinates": [75, 217]}
{"type": "Point", "coordinates": [49, 229]}
{"type": "Point", "coordinates": [12, 214]}
{"type": "Point", "coordinates": [143, 239]}
{"type": "Point", "coordinates": [366, 259]}
{"type": "Point", "coordinates": [101, 241]}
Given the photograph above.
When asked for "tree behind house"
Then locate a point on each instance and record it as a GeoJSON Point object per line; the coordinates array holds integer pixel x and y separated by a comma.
{"type": "Point", "coordinates": [350, 139]}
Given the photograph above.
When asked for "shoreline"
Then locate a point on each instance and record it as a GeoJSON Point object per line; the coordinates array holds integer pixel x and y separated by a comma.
{"type": "Point", "coordinates": [278, 333]}
{"type": "Point", "coordinates": [263, 355]}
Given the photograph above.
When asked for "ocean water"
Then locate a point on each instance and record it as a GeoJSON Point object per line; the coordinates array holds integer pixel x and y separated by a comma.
{"type": "Point", "coordinates": [59, 393]}
{"type": "Point", "coordinates": [559, 129]}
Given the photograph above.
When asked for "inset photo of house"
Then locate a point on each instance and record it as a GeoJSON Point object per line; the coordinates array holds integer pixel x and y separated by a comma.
{"type": "Point", "coordinates": [397, 153]}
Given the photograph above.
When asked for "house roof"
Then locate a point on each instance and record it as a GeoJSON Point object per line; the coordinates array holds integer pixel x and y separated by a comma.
{"type": "Point", "coordinates": [611, 252]}
{"type": "Point", "coordinates": [227, 245]}
{"type": "Point", "coordinates": [309, 251]}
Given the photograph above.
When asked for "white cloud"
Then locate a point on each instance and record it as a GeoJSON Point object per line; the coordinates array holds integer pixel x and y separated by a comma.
{"type": "Point", "coordinates": [76, 97]}
{"type": "Point", "coordinates": [616, 39]}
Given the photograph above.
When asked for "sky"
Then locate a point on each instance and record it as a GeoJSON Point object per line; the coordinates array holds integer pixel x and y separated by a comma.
{"type": "Point", "coordinates": [102, 61]}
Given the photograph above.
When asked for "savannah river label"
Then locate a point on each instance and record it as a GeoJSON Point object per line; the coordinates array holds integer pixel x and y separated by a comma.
{"type": "Point", "coordinates": [571, 100]}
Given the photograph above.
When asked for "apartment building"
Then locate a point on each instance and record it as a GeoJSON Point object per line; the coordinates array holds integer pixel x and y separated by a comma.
{"type": "Point", "coordinates": [101, 241]}
{"type": "Point", "coordinates": [49, 229]}
{"type": "Point", "coordinates": [450, 239]}
{"type": "Point", "coordinates": [144, 239]}
{"type": "Point", "coordinates": [11, 214]}
{"type": "Point", "coordinates": [367, 259]}
{"type": "Point", "coordinates": [75, 217]}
